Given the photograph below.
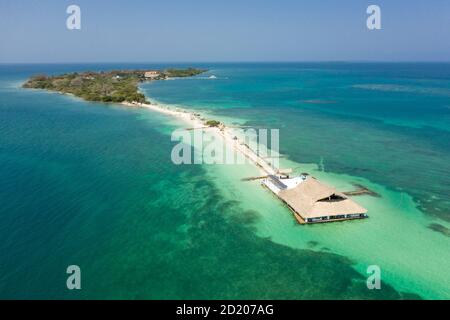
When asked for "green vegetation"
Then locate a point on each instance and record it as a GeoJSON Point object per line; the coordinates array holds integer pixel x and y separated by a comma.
{"type": "Point", "coordinates": [189, 72]}
{"type": "Point", "coordinates": [212, 123]}
{"type": "Point", "coordinates": [116, 86]}
{"type": "Point", "coordinates": [113, 86]}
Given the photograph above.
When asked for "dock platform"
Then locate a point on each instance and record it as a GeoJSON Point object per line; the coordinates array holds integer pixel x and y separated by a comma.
{"type": "Point", "coordinates": [311, 201]}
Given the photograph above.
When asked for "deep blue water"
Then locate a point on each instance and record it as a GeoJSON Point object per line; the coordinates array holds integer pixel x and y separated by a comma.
{"type": "Point", "coordinates": [85, 183]}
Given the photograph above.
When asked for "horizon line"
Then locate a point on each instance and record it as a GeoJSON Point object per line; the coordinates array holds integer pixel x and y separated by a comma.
{"type": "Point", "coordinates": [226, 61]}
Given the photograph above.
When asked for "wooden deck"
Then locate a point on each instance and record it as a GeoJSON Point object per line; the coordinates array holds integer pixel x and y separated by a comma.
{"type": "Point", "coordinates": [254, 178]}
{"type": "Point", "coordinates": [360, 191]}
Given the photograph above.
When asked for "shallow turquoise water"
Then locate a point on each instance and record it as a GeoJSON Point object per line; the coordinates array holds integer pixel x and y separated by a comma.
{"type": "Point", "coordinates": [397, 117]}
{"type": "Point", "coordinates": [93, 185]}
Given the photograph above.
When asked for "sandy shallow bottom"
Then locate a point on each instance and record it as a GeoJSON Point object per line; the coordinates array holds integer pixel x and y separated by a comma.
{"type": "Point", "coordinates": [395, 237]}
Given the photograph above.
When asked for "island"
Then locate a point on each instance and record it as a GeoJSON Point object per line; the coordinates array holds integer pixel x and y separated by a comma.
{"type": "Point", "coordinates": [310, 200]}
{"type": "Point", "coordinates": [112, 86]}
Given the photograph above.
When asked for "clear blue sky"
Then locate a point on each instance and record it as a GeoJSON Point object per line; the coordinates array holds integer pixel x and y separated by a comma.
{"type": "Point", "coordinates": [225, 30]}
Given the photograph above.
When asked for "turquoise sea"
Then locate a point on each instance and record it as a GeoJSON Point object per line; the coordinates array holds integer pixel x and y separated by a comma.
{"type": "Point", "coordinates": [93, 185]}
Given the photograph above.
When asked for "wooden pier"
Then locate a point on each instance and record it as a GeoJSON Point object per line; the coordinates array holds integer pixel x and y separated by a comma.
{"type": "Point", "coordinates": [360, 191]}
{"type": "Point", "coordinates": [254, 178]}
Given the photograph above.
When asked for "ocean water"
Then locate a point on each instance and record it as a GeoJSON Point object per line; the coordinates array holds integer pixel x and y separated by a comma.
{"type": "Point", "coordinates": [93, 185]}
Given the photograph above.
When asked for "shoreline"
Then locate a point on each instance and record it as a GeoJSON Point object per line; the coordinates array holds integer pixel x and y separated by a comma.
{"type": "Point", "coordinates": [241, 151]}
{"type": "Point", "coordinates": [229, 139]}
{"type": "Point", "coordinates": [303, 196]}
{"type": "Point", "coordinates": [339, 243]}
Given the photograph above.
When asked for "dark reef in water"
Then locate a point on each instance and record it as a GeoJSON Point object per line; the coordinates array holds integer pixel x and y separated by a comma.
{"type": "Point", "coordinates": [439, 228]}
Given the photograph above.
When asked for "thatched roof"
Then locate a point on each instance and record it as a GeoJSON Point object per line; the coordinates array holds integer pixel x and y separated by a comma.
{"type": "Point", "coordinates": [312, 199]}
{"type": "Point", "coordinates": [151, 73]}
{"type": "Point", "coordinates": [285, 171]}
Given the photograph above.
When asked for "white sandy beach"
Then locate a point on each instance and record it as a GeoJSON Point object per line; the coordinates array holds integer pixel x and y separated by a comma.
{"type": "Point", "coordinates": [229, 139]}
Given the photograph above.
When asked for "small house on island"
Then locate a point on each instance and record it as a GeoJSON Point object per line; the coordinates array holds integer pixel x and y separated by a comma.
{"type": "Point", "coordinates": [152, 74]}
{"type": "Point", "coordinates": [312, 201]}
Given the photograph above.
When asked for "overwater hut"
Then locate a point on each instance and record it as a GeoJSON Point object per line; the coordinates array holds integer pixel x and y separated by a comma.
{"type": "Point", "coordinates": [312, 201]}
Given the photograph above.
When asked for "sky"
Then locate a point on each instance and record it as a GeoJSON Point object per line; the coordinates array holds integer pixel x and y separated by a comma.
{"type": "Point", "coordinates": [35, 31]}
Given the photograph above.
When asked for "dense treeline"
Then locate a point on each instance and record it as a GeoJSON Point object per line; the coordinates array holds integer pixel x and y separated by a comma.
{"type": "Point", "coordinates": [113, 86]}
{"type": "Point", "coordinates": [182, 72]}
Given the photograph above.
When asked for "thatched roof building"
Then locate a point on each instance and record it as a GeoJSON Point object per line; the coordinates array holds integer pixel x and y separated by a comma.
{"type": "Point", "coordinates": [151, 74]}
{"type": "Point", "coordinates": [313, 201]}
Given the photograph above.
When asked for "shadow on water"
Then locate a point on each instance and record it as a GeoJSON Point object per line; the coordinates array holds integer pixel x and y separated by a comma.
{"type": "Point", "coordinates": [439, 228]}
{"type": "Point", "coordinates": [217, 255]}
